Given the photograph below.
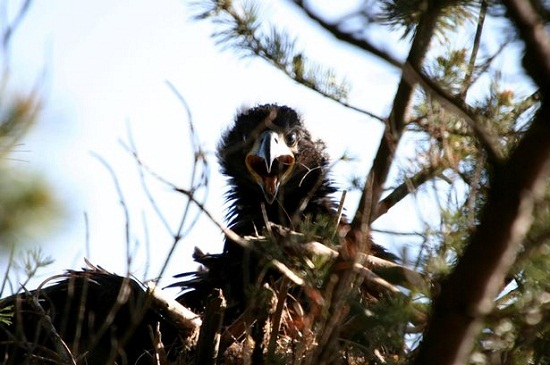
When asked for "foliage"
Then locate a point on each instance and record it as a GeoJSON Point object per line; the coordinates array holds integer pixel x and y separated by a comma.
{"type": "Point", "coordinates": [27, 205]}
{"type": "Point", "coordinates": [240, 29]}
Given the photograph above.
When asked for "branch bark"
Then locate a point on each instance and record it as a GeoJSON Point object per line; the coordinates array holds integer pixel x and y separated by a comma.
{"type": "Point", "coordinates": [372, 189]}
{"type": "Point", "coordinates": [357, 240]}
{"type": "Point", "coordinates": [209, 337]}
{"type": "Point", "coordinates": [467, 295]}
{"type": "Point", "coordinates": [404, 189]}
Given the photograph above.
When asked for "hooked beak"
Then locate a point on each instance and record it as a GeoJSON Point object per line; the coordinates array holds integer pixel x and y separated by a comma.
{"type": "Point", "coordinates": [270, 162]}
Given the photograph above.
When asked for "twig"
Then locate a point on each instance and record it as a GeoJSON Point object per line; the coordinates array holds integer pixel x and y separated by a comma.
{"type": "Point", "coordinates": [122, 202]}
{"type": "Point", "coordinates": [410, 184]}
{"type": "Point", "coordinates": [11, 28]}
{"type": "Point", "coordinates": [5, 279]}
{"type": "Point", "coordinates": [362, 44]}
{"type": "Point", "coordinates": [46, 322]}
{"type": "Point", "coordinates": [183, 318]}
{"type": "Point", "coordinates": [468, 79]}
{"type": "Point", "coordinates": [230, 234]}
{"type": "Point", "coordinates": [277, 316]}
{"type": "Point", "coordinates": [209, 336]}
{"type": "Point", "coordinates": [160, 352]}
{"type": "Point", "coordinates": [372, 189]}
{"type": "Point", "coordinates": [199, 156]}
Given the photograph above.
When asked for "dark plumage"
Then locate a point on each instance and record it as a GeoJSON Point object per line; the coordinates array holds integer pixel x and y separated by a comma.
{"type": "Point", "coordinates": [273, 166]}
{"type": "Point", "coordinates": [277, 173]}
{"type": "Point", "coordinates": [101, 317]}
{"type": "Point", "coordinates": [289, 159]}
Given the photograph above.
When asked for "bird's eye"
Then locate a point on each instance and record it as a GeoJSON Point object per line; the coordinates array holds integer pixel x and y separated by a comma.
{"type": "Point", "coordinates": [291, 138]}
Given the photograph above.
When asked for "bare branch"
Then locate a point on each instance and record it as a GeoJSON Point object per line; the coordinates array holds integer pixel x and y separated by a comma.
{"type": "Point", "coordinates": [468, 79]}
{"type": "Point", "coordinates": [372, 189]}
{"type": "Point", "coordinates": [46, 322]}
{"type": "Point", "coordinates": [122, 202]}
{"type": "Point", "coordinates": [11, 28]}
{"type": "Point", "coordinates": [209, 337]}
{"type": "Point", "coordinates": [183, 318]}
{"type": "Point", "coordinates": [335, 30]}
{"type": "Point", "coordinates": [409, 185]}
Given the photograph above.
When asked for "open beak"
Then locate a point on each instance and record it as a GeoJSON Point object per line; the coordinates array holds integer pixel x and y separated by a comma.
{"type": "Point", "coordinates": [270, 162]}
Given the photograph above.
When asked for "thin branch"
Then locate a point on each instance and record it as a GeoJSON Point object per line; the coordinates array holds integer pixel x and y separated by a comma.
{"type": "Point", "coordinates": [199, 159]}
{"type": "Point", "coordinates": [468, 79]}
{"type": "Point", "coordinates": [5, 279]}
{"type": "Point", "coordinates": [457, 106]}
{"type": "Point", "coordinates": [372, 189]}
{"type": "Point", "coordinates": [122, 202]}
{"type": "Point", "coordinates": [362, 44]}
{"type": "Point", "coordinates": [46, 322]}
{"type": "Point", "coordinates": [282, 293]}
{"type": "Point", "coordinates": [11, 28]}
{"type": "Point", "coordinates": [159, 357]}
{"type": "Point", "coordinates": [230, 234]}
{"type": "Point", "coordinates": [409, 185]}
{"type": "Point", "coordinates": [358, 238]}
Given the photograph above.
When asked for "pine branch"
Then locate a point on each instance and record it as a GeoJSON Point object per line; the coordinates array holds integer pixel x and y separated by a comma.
{"type": "Point", "coordinates": [357, 240]}
{"type": "Point", "coordinates": [455, 104]}
{"type": "Point", "coordinates": [241, 32]}
{"type": "Point", "coordinates": [468, 79]}
{"type": "Point", "coordinates": [467, 294]}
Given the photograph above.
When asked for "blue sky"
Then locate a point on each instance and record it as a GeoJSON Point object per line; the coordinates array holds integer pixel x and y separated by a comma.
{"type": "Point", "coordinates": [106, 66]}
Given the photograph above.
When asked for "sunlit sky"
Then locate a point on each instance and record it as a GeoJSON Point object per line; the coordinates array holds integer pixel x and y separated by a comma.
{"type": "Point", "coordinates": [102, 69]}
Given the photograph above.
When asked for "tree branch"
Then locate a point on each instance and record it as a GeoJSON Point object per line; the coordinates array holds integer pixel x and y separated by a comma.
{"type": "Point", "coordinates": [467, 295]}
{"type": "Point", "coordinates": [358, 239]}
{"type": "Point", "coordinates": [537, 42]}
{"type": "Point", "coordinates": [372, 189]}
{"type": "Point", "coordinates": [334, 29]}
{"type": "Point", "coordinates": [410, 184]}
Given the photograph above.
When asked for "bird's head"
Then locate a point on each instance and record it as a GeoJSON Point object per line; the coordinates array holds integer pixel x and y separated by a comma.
{"type": "Point", "coordinates": [265, 147]}
{"type": "Point", "coordinates": [271, 159]}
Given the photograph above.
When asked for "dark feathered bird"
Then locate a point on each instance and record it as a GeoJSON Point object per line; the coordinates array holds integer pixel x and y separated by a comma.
{"type": "Point", "coordinates": [276, 173]}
